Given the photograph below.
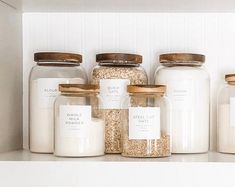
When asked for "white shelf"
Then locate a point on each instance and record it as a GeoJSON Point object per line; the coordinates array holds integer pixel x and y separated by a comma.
{"type": "Point", "coordinates": [128, 5]}
{"type": "Point", "coordinates": [25, 155]}
{"type": "Point", "coordinates": [22, 168]}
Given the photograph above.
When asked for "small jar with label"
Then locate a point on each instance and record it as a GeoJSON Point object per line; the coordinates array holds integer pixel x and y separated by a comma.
{"type": "Point", "coordinates": [113, 73]}
{"type": "Point", "coordinates": [79, 131]}
{"type": "Point", "coordinates": [51, 70]}
{"type": "Point", "coordinates": [226, 116]}
{"type": "Point", "coordinates": [188, 90]}
{"type": "Point", "coordinates": [146, 131]}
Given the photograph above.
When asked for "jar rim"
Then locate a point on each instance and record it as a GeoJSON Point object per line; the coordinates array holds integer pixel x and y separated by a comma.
{"type": "Point", "coordinates": [182, 59]}
{"type": "Point", "coordinates": [146, 89]}
{"type": "Point", "coordinates": [43, 58]}
{"type": "Point", "coordinates": [118, 59]}
{"type": "Point", "coordinates": [79, 88]}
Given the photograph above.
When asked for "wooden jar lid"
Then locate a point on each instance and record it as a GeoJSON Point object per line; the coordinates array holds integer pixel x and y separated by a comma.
{"type": "Point", "coordinates": [182, 58]}
{"type": "Point", "coordinates": [119, 58]}
{"type": "Point", "coordinates": [146, 89]}
{"type": "Point", "coordinates": [230, 78]}
{"type": "Point", "coordinates": [57, 57]}
{"type": "Point", "coordinates": [78, 88]}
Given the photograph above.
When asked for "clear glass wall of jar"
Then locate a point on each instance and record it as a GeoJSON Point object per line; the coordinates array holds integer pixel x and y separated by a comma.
{"type": "Point", "coordinates": [79, 130]}
{"type": "Point", "coordinates": [226, 116]}
{"type": "Point", "coordinates": [51, 70]}
{"type": "Point", "coordinates": [113, 73]}
{"type": "Point", "coordinates": [188, 89]}
{"type": "Point", "coordinates": [146, 131]}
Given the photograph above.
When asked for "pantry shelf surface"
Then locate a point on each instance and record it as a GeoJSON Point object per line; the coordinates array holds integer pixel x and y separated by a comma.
{"type": "Point", "coordinates": [128, 6]}
{"type": "Point", "coordinates": [25, 155]}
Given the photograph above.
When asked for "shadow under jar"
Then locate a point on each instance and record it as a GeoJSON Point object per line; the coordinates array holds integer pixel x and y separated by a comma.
{"type": "Point", "coordinates": [52, 69]}
{"type": "Point", "coordinates": [113, 73]}
{"type": "Point", "coordinates": [79, 132]}
{"type": "Point", "coordinates": [146, 131]}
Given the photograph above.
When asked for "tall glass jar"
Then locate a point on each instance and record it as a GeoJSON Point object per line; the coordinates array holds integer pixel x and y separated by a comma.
{"type": "Point", "coordinates": [146, 131]}
{"type": "Point", "coordinates": [188, 89]}
{"type": "Point", "coordinates": [79, 131]}
{"type": "Point", "coordinates": [113, 73]}
{"type": "Point", "coordinates": [51, 70]}
{"type": "Point", "coordinates": [226, 116]}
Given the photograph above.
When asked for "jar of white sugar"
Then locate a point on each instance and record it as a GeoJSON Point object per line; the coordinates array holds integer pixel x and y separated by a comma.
{"type": "Point", "coordinates": [113, 73]}
{"type": "Point", "coordinates": [51, 70]}
{"type": "Point", "coordinates": [188, 89]}
{"type": "Point", "coordinates": [226, 116]}
{"type": "Point", "coordinates": [146, 128]}
{"type": "Point", "coordinates": [79, 128]}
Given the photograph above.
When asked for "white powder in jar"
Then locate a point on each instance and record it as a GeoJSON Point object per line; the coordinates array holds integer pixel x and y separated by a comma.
{"type": "Point", "coordinates": [226, 132]}
{"type": "Point", "coordinates": [43, 92]}
{"type": "Point", "coordinates": [89, 143]}
{"type": "Point", "coordinates": [188, 92]}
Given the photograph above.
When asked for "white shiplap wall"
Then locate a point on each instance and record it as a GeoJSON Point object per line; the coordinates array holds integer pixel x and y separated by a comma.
{"type": "Point", "coordinates": [149, 34]}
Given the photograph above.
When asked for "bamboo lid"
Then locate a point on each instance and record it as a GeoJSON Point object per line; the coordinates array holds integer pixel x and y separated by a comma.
{"type": "Point", "coordinates": [146, 89]}
{"type": "Point", "coordinates": [119, 58]}
{"type": "Point", "coordinates": [182, 58]}
{"type": "Point", "coordinates": [230, 78]}
{"type": "Point", "coordinates": [78, 88]}
{"type": "Point", "coordinates": [57, 57]}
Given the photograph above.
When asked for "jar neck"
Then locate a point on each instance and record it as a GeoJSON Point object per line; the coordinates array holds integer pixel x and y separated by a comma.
{"type": "Point", "coordinates": [58, 64]}
{"type": "Point", "coordinates": [231, 83]}
{"type": "Point", "coordinates": [147, 94]}
{"type": "Point", "coordinates": [80, 94]}
{"type": "Point", "coordinates": [185, 64]}
{"type": "Point", "coordinates": [118, 64]}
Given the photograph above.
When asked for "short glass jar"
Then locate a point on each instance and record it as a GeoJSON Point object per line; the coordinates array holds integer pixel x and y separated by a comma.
{"type": "Point", "coordinates": [113, 73]}
{"type": "Point", "coordinates": [146, 131]}
{"type": "Point", "coordinates": [79, 131]}
{"type": "Point", "coordinates": [51, 70]}
{"type": "Point", "coordinates": [188, 89]}
{"type": "Point", "coordinates": [226, 116]}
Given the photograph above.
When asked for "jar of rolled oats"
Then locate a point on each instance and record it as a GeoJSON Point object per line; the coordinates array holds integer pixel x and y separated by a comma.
{"type": "Point", "coordinates": [113, 73]}
{"type": "Point", "coordinates": [146, 129]}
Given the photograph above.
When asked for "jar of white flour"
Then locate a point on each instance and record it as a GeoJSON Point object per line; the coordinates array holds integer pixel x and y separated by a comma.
{"type": "Point", "coordinates": [188, 86]}
{"type": "Point", "coordinates": [226, 116]}
{"type": "Point", "coordinates": [51, 70]}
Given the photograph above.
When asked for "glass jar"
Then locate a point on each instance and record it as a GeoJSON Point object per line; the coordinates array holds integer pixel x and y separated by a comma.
{"type": "Point", "coordinates": [51, 70]}
{"type": "Point", "coordinates": [226, 117]}
{"type": "Point", "coordinates": [146, 122]}
{"type": "Point", "coordinates": [79, 131]}
{"type": "Point", "coordinates": [114, 72]}
{"type": "Point", "coordinates": [188, 89]}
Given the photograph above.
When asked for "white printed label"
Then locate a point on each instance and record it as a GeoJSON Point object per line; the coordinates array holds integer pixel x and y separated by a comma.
{"type": "Point", "coordinates": [232, 111]}
{"type": "Point", "coordinates": [48, 90]}
{"type": "Point", "coordinates": [75, 120]}
{"type": "Point", "coordinates": [112, 92]}
{"type": "Point", "coordinates": [180, 93]}
{"type": "Point", "coordinates": [144, 123]}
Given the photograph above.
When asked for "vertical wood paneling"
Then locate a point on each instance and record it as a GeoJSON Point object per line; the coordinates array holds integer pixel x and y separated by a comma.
{"type": "Point", "coordinates": [146, 33]}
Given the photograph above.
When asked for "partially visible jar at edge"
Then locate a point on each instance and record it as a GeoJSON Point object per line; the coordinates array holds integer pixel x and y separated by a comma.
{"type": "Point", "coordinates": [226, 116]}
{"type": "Point", "coordinates": [113, 73]}
{"type": "Point", "coordinates": [51, 70]}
